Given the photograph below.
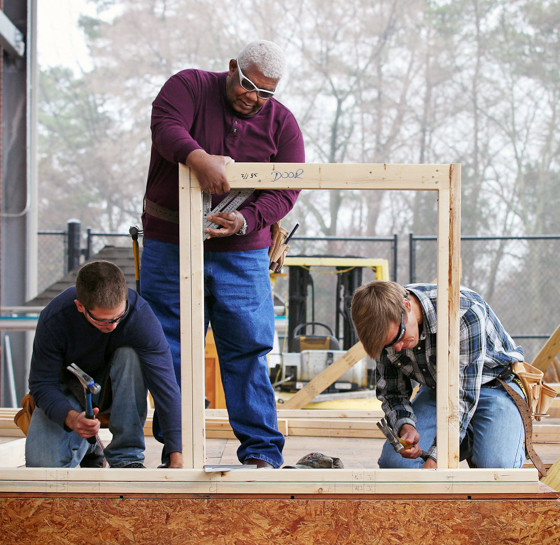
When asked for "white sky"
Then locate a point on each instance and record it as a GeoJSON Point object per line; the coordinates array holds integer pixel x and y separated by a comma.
{"type": "Point", "coordinates": [60, 41]}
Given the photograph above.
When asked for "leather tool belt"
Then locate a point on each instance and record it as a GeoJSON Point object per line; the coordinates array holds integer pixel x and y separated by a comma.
{"type": "Point", "coordinates": [277, 252]}
{"type": "Point", "coordinates": [22, 419]}
{"type": "Point", "coordinates": [160, 212]}
{"type": "Point", "coordinates": [538, 397]}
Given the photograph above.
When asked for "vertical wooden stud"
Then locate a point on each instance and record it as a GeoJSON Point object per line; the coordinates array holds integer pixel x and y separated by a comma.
{"type": "Point", "coordinates": [197, 340]}
{"type": "Point", "coordinates": [454, 280]}
{"type": "Point", "coordinates": [442, 402]}
{"type": "Point", "coordinates": [185, 265]}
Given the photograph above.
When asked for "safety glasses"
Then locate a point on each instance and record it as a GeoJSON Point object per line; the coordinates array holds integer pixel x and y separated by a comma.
{"type": "Point", "coordinates": [108, 322]}
{"type": "Point", "coordinates": [250, 87]}
{"type": "Point", "coordinates": [400, 334]}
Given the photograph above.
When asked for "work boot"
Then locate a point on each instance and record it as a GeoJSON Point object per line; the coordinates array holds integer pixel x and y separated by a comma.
{"type": "Point", "coordinates": [261, 464]}
{"type": "Point", "coordinates": [317, 460]}
{"type": "Point", "coordinates": [133, 465]}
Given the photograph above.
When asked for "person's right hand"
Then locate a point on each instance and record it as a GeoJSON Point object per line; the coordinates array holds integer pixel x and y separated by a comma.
{"type": "Point", "coordinates": [210, 171]}
{"type": "Point", "coordinates": [83, 426]}
{"type": "Point", "coordinates": [410, 434]}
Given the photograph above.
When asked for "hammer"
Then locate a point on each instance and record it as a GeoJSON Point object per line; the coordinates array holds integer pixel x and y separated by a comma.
{"type": "Point", "coordinates": [396, 442]}
{"type": "Point", "coordinates": [90, 387]}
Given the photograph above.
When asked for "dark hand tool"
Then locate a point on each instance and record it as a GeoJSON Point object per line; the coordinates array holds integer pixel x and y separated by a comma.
{"type": "Point", "coordinates": [90, 387]}
{"type": "Point", "coordinates": [291, 234]}
{"type": "Point", "coordinates": [134, 231]}
{"type": "Point", "coordinates": [396, 442]}
{"type": "Point", "coordinates": [229, 204]}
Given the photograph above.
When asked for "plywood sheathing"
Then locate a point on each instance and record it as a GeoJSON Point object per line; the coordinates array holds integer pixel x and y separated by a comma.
{"type": "Point", "coordinates": [282, 522]}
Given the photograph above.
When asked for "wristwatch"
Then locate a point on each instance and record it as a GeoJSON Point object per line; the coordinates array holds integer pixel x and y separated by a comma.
{"type": "Point", "coordinates": [243, 230]}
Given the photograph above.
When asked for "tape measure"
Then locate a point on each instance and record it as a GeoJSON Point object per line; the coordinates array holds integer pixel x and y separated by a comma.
{"type": "Point", "coordinates": [232, 202]}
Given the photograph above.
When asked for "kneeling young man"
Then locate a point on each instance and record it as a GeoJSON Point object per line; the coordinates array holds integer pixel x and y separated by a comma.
{"type": "Point", "coordinates": [111, 334]}
{"type": "Point", "coordinates": [398, 327]}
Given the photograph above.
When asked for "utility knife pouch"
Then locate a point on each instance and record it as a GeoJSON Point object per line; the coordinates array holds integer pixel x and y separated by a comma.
{"type": "Point", "coordinates": [277, 252]}
{"type": "Point", "coordinates": [539, 395]}
{"type": "Point", "coordinates": [23, 416]}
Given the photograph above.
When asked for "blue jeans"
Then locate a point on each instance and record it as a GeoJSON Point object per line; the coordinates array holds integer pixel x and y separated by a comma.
{"type": "Point", "coordinates": [49, 445]}
{"type": "Point", "coordinates": [497, 427]}
{"type": "Point", "coordinates": [238, 304]}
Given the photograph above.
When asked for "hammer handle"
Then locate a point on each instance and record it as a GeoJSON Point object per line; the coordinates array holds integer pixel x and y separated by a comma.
{"type": "Point", "coordinates": [89, 415]}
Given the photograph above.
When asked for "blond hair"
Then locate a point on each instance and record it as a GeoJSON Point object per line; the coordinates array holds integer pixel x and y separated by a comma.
{"type": "Point", "coordinates": [375, 306]}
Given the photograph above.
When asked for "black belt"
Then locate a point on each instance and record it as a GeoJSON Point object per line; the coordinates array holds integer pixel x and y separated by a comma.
{"type": "Point", "coordinates": [161, 212]}
{"type": "Point", "coordinates": [506, 375]}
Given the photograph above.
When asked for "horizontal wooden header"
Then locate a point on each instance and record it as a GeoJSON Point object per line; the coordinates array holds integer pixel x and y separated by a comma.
{"type": "Point", "coordinates": [338, 176]}
{"type": "Point", "coordinates": [84, 475]}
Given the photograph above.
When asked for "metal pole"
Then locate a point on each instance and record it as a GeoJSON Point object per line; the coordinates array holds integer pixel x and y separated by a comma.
{"type": "Point", "coordinates": [395, 256]}
{"type": "Point", "coordinates": [73, 244]}
{"type": "Point", "coordinates": [89, 243]}
{"type": "Point", "coordinates": [10, 371]}
{"type": "Point", "coordinates": [411, 258]}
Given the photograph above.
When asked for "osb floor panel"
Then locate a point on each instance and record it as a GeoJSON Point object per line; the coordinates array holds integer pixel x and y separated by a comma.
{"type": "Point", "coordinates": [276, 522]}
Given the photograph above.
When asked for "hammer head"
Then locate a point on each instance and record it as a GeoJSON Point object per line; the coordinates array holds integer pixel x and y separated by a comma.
{"type": "Point", "coordinates": [388, 433]}
{"type": "Point", "coordinates": [87, 382]}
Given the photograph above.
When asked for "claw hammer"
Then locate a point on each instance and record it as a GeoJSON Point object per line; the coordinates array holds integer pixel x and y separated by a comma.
{"type": "Point", "coordinates": [396, 442]}
{"type": "Point", "coordinates": [90, 387]}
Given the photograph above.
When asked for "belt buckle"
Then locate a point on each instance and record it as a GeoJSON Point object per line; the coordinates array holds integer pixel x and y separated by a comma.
{"type": "Point", "coordinates": [506, 374]}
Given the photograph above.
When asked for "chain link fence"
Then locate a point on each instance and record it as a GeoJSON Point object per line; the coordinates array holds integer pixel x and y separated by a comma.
{"type": "Point", "coordinates": [53, 252]}
{"type": "Point", "coordinates": [95, 242]}
{"type": "Point", "coordinates": [516, 276]}
{"type": "Point", "coordinates": [52, 258]}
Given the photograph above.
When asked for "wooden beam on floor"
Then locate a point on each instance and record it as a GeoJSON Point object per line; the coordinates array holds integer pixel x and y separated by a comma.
{"type": "Point", "coordinates": [261, 481]}
{"type": "Point", "coordinates": [552, 478]}
{"type": "Point", "coordinates": [295, 422]}
{"type": "Point", "coordinates": [324, 379]}
{"type": "Point", "coordinates": [548, 352]}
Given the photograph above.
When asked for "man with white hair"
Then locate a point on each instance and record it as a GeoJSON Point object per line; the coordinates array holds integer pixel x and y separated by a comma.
{"type": "Point", "coordinates": [205, 120]}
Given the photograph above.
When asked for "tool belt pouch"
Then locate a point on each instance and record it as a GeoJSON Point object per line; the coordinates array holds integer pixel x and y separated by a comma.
{"type": "Point", "coordinates": [277, 252]}
{"type": "Point", "coordinates": [539, 395]}
{"type": "Point", "coordinates": [22, 418]}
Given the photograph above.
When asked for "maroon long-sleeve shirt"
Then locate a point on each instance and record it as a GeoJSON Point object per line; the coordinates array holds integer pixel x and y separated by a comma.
{"type": "Point", "coordinates": [192, 112]}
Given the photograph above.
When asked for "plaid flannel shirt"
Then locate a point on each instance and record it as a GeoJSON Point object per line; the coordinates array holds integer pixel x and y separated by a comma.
{"type": "Point", "coordinates": [485, 350]}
